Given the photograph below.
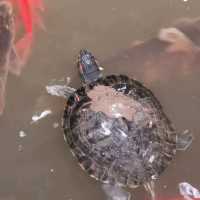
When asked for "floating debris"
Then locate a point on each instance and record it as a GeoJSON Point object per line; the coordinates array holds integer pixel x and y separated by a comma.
{"type": "Point", "coordinates": [20, 148]}
{"type": "Point", "coordinates": [22, 134]}
{"type": "Point", "coordinates": [35, 118]}
{"type": "Point", "coordinates": [52, 170]}
{"type": "Point", "coordinates": [165, 186]}
{"type": "Point", "coordinates": [188, 191]}
{"type": "Point", "coordinates": [55, 125]}
{"type": "Point", "coordinates": [68, 80]}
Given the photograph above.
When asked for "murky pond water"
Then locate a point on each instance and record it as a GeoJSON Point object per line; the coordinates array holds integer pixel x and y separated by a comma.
{"type": "Point", "coordinates": [40, 166]}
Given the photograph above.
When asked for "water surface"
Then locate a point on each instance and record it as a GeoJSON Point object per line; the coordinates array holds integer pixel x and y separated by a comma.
{"type": "Point", "coordinates": [40, 166]}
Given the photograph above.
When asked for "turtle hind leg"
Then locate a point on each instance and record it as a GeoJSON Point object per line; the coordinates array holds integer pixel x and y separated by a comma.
{"type": "Point", "coordinates": [184, 140]}
{"type": "Point", "coordinates": [150, 188]}
{"type": "Point", "coordinates": [115, 192]}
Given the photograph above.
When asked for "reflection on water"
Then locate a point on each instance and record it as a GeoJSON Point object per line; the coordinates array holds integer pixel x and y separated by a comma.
{"type": "Point", "coordinates": [40, 166]}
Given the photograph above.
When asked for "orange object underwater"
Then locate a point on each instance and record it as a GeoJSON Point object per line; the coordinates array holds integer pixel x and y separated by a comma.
{"type": "Point", "coordinates": [28, 19]}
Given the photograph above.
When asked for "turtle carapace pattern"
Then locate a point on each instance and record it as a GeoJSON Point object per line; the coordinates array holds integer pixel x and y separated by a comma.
{"type": "Point", "coordinates": [116, 128]}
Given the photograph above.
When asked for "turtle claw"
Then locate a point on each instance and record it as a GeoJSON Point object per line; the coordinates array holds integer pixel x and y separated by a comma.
{"type": "Point", "coordinates": [184, 140]}
{"type": "Point", "coordinates": [115, 192]}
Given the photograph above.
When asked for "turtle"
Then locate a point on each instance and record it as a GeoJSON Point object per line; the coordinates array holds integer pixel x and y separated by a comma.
{"type": "Point", "coordinates": [117, 129]}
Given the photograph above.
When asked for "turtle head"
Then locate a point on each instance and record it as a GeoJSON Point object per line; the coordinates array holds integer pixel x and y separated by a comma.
{"type": "Point", "coordinates": [88, 66]}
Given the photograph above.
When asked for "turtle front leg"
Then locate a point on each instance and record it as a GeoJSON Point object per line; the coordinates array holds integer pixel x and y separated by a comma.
{"type": "Point", "coordinates": [184, 140]}
{"type": "Point", "coordinates": [115, 192]}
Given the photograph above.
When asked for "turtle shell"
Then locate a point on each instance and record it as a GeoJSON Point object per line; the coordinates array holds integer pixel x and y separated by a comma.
{"type": "Point", "coordinates": [118, 131]}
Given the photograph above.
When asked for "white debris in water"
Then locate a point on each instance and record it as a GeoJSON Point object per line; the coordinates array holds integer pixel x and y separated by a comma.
{"type": "Point", "coordinates": [35, 118]}
{"type": "Point", "coordinates": [185, 0]}
{"type": "Point", "coordinates": [68, 80]}
{"type": "Point", "coordinates": [188, 191]}
{"type": "Point", "coordinates": [20, 148]}
{"type": "Point", "coordinates": [22, 134]}
{"type": "Point", "coordinates": [55, 125]}
{"type": "Point", "coordinates": [165, 186]}
{"type": "Point", "coordinates": [59, 90]}
{"type": "Point", "coordinates": [51, 170]}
